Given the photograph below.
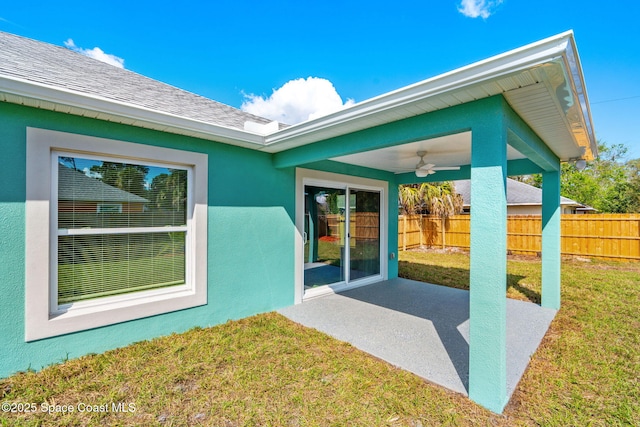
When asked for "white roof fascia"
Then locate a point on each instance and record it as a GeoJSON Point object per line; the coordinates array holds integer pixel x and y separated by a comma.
{"type": "Point", "coordinates": [560, 49]}
{"type": "Point", "coordinates": [92, 103]}
{"type": "Point", "coordinates": [572, 64]}
{"type": "Point", "coordinates": [526, 57]}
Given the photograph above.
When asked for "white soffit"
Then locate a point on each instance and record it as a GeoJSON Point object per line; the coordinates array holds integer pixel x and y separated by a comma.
{"type": "Point", "coordinates": [449, 150]}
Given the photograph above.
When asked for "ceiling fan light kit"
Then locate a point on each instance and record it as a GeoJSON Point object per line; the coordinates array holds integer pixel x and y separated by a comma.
{"type": "Point", "coordinates": [423, 169]}
{"type": "Point", "coordinates": [421, 173]}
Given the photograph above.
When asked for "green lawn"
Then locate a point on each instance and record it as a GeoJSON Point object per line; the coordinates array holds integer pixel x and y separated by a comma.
{"type": "Point", "coordinates": [88, 280]}
{"type": "Point", "coordinates": [266, 370]}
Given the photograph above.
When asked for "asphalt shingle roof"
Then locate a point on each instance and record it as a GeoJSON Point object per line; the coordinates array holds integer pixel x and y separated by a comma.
{"type": "Point", "coordinates": [518, 193]}
{"type": "Point", "coordinates": [77, 186]}
{"type": "Point", "coordinates": [60, 67]}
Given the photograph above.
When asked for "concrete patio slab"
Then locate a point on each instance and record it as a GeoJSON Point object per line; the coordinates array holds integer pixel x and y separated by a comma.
{"type": "Point", "coordinates": [422, 328]}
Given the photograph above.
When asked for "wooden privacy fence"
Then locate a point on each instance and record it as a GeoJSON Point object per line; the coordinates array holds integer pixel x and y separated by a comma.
{"type": "Point", "coordinates": [364, 225]}
{"type": "Point", "coordinates": [607, 236]}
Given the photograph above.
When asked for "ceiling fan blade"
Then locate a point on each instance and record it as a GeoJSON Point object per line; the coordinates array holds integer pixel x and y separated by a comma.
{"type": "Point", "coordinates": [427, 166]}
{"type": "Point", "coordinates": [446, 168]}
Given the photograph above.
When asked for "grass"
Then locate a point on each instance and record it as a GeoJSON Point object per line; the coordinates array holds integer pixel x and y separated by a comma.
{"type": "Point", "coordinates": [106, 277]}
{"type": "Point", "coordinates": [452, 269]}
{"type": "Point", "coordinates": [332, 253]}
{"type": "Point", "coordinates": [266, 370]}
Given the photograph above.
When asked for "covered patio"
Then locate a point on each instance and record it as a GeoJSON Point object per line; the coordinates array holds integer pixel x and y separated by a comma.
{"type": "Point", "coordinates": [522, 112]}
{"type": "Point", "coordinates": [422, 328]}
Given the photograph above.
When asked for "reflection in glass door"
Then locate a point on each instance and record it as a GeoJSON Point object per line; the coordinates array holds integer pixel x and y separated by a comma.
{"type": "Point", "coordinates": [341, 235]}
{"type": "Point", "coordinates": [324, 236]}
{"type": "Point", "coordinates": [364, 232]}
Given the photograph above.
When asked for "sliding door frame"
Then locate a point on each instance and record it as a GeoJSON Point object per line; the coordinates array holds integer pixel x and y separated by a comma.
{"type": "Point", "coordinates": [315, 178]}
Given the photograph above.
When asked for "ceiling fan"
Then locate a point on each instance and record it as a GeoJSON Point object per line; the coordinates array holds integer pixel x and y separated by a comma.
{"type": "Point", "coordinates": [423, 169]}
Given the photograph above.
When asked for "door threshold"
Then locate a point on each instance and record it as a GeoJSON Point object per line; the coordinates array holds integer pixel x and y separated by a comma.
{"type": "Point", "coordinates": [339, 287]}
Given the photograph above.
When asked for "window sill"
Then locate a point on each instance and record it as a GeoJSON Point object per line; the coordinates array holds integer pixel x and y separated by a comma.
{"type": "Point", "coordinates": [105, 314]}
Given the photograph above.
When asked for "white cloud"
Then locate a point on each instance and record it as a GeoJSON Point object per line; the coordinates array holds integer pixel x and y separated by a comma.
{"type": "Point", "coordinates": [88, 172]}
{"type": "Point", "coordinates": [96, 53]}
{"type": "Point", "coordinates": [297, 101]}
{"type": "Point", "coordinates": [478, 8]}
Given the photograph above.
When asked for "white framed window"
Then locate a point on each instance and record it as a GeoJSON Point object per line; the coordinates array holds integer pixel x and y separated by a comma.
{"type": "Point", "coordinates": [115, 231]}
{"type": "Point", "coordinates": [109, 208]}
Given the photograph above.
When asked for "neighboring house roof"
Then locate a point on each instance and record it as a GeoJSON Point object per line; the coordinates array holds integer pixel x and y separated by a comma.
{"type": "Point", "coordinates": [80, 187]}
{"type": "Point", "coordinates": [518, 194]}
{"type": "Point", "coordinates": [586, 209]}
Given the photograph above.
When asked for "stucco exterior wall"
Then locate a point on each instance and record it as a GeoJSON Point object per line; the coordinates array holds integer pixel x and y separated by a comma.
{"type": "Point", "coordinates": [250, 240]}
{"type": "Point", "coordinates": [250, 249]}
{"type": "Point", "coordinates": [524, 210]}
{"type": "Point", "coordinates": [534, 210]}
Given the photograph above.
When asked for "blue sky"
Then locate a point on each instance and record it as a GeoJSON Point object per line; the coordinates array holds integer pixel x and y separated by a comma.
{"type": "Point", "coordinates": [231, 50]}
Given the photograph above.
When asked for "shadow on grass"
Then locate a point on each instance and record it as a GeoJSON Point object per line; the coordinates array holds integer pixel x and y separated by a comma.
{"type": "Point", "coordinates": [456, 277]}
{"type": "Point", "coordinates": [530, 294]}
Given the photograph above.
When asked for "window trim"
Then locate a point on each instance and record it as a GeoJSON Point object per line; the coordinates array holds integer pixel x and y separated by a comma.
{"type": "Point", "coordinates": [43, 320]}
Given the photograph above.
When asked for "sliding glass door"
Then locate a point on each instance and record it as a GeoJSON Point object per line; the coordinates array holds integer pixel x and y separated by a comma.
{"type": "Point", "coordinates": [324, 233]}
{"type": "Point", "coordinates": [341, 235]}
{"type": "Point", "coordinates": [364, 231]}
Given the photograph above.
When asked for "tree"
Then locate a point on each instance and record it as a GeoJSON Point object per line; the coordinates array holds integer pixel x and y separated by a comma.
{"type": "Point", "coordinates": [634, 186]}
{"type": "Point", "coordinates": [439, 199]}
{"type": "Point", "coordinates": [169, 191]}
{"type": "Point", "coordinates": [409, 199]}
{"type": "Point", "coordinates": [131, 178]}
{"type": "Point", "coordinates": [127, 177]}
{"type": "Point", "coordinates": [157, 192]}
{"type": "Point", "coordinates": [69, 162]}
{"type": "Point", "coordinates": [604, 183]}
{"type": "Point", "coordinates": [436, 199]}
{"type": "Point", "coordinates": [607, 183]}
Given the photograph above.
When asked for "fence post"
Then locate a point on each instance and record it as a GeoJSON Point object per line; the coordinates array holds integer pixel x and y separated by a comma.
{"type": "Point", "coordinates": [404, 232]}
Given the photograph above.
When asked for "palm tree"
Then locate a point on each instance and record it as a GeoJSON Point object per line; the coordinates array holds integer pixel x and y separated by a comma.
{"type": "Point", "coordinates": [441, 199]}
{"type": "Point", "coordinates": [438, 199]}
{"type": "Point", "coordinates": [409, 199]}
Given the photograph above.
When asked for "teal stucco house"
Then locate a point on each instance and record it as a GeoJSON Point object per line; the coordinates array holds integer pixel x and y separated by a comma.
{"type": "Point", "coordinates": [221, 214]}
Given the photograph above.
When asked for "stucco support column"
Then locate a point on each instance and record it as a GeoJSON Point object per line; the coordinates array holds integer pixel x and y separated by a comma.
{"type": "Point", "coordinates": [392, 236]}
{"type": "Point", "coordinates": [551, 241]}
{"type": "Point", "coordinates": [487, 304]}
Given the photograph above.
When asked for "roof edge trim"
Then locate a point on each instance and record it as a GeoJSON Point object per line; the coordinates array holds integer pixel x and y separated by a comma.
{"type": "Point", "coordinates": [85, 102]}
{"type": "Point", "coordinates": [537, 53]}
{"type": "Point", "coordinates": [572, 59]}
